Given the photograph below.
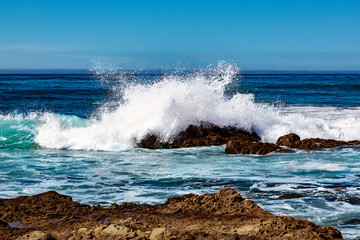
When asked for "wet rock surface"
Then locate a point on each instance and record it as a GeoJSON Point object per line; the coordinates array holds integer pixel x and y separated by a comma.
{"type": "Point", "coordinates": [237, 140]}
{"type": "Point", "coordinates": [293, 141]}
{"type": "Point", "coordinates": [290, 196]}
{"type": "Point", "coordinates": [290, 140]}
{"type": "Point", "coordinates": [206, 134]}
{"type": "Point", "coordinates": [353, 221]}
{"type": "Point", "coordinates": [222, 215]}
{"type": "Point", "coordinates": [250, 147]}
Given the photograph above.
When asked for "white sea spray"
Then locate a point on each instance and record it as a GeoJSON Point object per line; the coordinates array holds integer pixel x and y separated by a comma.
{"type": "Point", "coordinates": [171, 103]}
{"type": "Point", "coordinates": [165, 107]}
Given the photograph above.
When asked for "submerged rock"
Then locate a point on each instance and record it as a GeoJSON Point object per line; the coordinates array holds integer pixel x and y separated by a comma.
{"type": "Point", "coordinates": [352, 221]}
{"type": "Point", "coordinates": [290, 196]}
{"type": "Point", "coordinates": [221, 215]}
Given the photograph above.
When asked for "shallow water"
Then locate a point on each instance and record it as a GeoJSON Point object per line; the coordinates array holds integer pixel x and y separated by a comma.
{"type": "Point", "coordinates": [74, 134]}
{"type": "Point", "coordinates": [328, 180]}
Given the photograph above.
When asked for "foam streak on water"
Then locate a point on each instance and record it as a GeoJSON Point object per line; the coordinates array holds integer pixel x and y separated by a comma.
{"type": "Point", "coordinates": [151, 176]}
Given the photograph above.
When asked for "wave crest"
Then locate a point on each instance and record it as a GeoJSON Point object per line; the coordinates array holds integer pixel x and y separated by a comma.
{"type": "Point", "coordinates": [169, 105]}
{"type": "Point", "coordinates": [166, 107]}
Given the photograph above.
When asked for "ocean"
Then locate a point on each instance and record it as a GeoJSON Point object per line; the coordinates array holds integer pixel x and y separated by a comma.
{"type": "Point", "coordinates": [76, 133]}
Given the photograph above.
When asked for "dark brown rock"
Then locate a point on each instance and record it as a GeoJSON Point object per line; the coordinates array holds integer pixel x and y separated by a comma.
{"type": "Point", "coordinates": [293, 141]}
{"type": "Point", "coordinates": [150, 141]}
{"type": "Point", "coordinates": [3, 224]}
{"type": "Point", "coordinates": [206, 134]}
{"type": "Point", "coordinates": [319, 143]}
{"type": "Point", "coordinates": [238, 141]}
{"type": "Point", "coordinates": [290, 196]}
{"type": "Point", "coordinates": [290, 140]}
{"type": "Point", "coordinates": [250, 147]}
{"type": "Point", "coordinates": [354, 142]}
{"type": "Point", "coordinates": [342, 186]}
{"type": "Point", "coordinates": [353, 221]}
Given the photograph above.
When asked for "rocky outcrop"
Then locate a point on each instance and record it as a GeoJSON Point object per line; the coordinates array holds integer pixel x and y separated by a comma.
{"type": "Point", "coordinates": [206, 134]}
{"type": "Point", "coordinates": [290, 140]}
{"type": "Point", "coordinates": [222, 215]}
{"type": "Point", "coordinates": [250, 147]}
{"type": "Point", "coordinates": [354, 142]}
{"type": "Point", "coordinates": [293, 141]}
{"type": "Point", "coordinates": [237, 140]}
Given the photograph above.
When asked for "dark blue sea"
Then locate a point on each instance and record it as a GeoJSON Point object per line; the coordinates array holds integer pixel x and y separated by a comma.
{"type": "Point", "coordinates": [75, 134]}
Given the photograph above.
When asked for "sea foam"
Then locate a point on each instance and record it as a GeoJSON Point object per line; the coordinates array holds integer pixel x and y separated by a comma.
{"type": "Point", "coordinates": [165, 107]}
{"type": "Point", "coordinates": [168, 105]}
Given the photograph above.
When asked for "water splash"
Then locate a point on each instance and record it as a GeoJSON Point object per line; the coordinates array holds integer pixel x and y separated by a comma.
{"type": "Point", "coordinates": [171, 103]}
{"type": "Point", "coordinates": [166, 107]}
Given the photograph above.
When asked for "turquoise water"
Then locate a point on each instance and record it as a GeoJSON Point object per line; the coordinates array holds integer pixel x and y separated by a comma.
{"type": "Point", "coordinates": [151, 176]}
{"type": "Point", "coordinates": [75, 134]}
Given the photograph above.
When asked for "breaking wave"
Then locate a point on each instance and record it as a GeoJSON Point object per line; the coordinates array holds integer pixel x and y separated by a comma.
{"type": "Point", "coordinates": [166, 107]}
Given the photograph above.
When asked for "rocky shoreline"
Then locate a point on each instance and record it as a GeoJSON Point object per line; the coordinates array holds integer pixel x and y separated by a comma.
{"type": "Point", "coordinates": [238, 141]}
{"type": "Point", "coordinates": [221, 215]}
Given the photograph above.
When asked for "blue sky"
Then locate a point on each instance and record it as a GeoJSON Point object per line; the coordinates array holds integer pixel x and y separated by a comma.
{"type": "Point", "coordinates": [255, 34]}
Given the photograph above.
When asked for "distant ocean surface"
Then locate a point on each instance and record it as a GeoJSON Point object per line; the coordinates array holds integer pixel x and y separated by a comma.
{"type": "Point", "coordinates": [75, 133]}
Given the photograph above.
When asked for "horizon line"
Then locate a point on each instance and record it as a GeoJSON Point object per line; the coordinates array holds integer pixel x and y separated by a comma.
{"type": "Point", "coordinates": [158, 70]}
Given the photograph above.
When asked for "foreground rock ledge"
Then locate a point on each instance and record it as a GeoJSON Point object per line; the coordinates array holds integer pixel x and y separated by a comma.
{"type": "Point", "coordinates": [222, 215]}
